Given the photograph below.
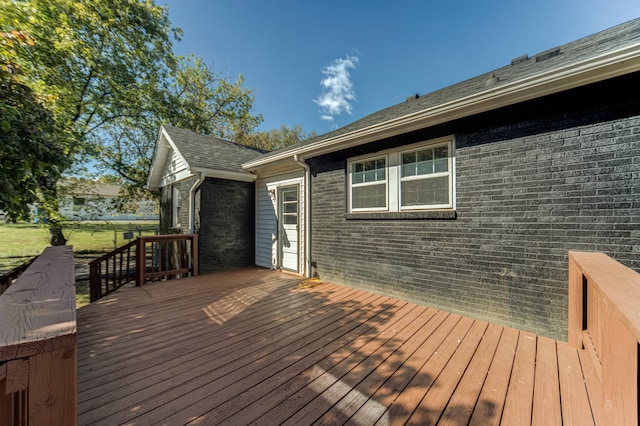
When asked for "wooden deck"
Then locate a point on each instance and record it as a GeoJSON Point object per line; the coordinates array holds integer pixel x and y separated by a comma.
{"type": "Point", "coordinates": [250, 347]}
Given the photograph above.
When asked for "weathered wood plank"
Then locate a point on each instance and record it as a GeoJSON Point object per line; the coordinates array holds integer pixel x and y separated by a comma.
{"type": "Point", "coordinates": [27, 326]}
{"type": "Point", "coordinates": [17, 375]}
{"type": "Point", "coordinates": [174, 394]}
{"type": "Point", "coordinates": [52, 388]}
{"type": "Point", "coordinates": [374, 409]}
{"type": "Point", "coordinates": [518, 403]}
{"type": "Point", "coordinates": [546, 394]}
{"type": "Point", "coordinates": [573, 391]}
{"type": "Point", "coordinates": [488, 410]}
{"type": "Point", "coordinates": [465, 397]}
{"type": "Point", "coordinates": [592, 382]}
{"type": "Point", "coordinates": [317, 366]}
{"type": "Point", "coordinates": [269, 353]}
{"type": "Point", "coordinates": [441, 350]}
{"type": "Point", "coordinates": [437, 397]}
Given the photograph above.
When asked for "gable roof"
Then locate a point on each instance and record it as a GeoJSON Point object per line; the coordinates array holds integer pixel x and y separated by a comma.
{"type": "Point", "coordinates": [611, 53]}
{"type": "Point", "coordinates": [198, 153]}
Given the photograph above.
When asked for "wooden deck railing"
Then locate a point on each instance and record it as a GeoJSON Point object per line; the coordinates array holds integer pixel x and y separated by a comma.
{"type": "Point", "coordinates": [146, 258]}
{"type": "Point", "coordinates": [38, 343]}
{"type": "Point", "coordinates": [10, 276]}
{"type": "Point", "coordinates": [604, 322]}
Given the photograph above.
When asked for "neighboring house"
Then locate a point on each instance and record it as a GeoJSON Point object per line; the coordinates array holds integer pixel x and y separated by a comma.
{"type": "Point", "coordinates": [190, 171]}
{"type": "Point", "coordinates": [467, 198]}
{"type": "Point", "coordinates": [83, 200]}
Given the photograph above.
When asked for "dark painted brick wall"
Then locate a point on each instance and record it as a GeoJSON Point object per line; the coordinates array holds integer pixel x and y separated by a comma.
{"type": "Point", "coordinates": [166, 207]}
{"type": "Point", "coordinates": [533, 182]}
{"type": "Point", "coordinates": [227, 224]}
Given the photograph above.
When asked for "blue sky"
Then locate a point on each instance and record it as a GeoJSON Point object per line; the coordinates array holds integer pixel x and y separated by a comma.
{"type": "Point", "coordinates": [323, 64]}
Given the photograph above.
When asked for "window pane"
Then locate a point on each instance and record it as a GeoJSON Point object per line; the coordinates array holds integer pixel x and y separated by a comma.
{"type": "Point", "coordinates": [290, 219]}
{"type": "Point", "coordinates": [425, 191]}
{"type": "Point", "coordinates": [441, 152]}
{"type": "Point", "coordinates": [425, 167]}
{"type": "Point", "coordinates": [425, 155]}
{"type": "Point", "coordinates": [441, 165]}
{"type": "Point", "coordinates": [368, 171]}
{"type": "Point", "coordinates": [409, 170]}
{"type": "Point", "coordinates": [367, 197]}
{"type": "Point", "coordinates": [408, 157]}
{"type": "Point", "coordinates": [290, 207]}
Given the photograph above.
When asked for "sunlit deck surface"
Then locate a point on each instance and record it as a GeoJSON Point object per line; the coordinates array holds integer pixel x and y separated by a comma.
{"type": "Point", "coordinates": [250, 347]}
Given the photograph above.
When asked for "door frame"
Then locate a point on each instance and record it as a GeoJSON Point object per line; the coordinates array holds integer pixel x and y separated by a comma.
{"type": "Point", "coordinates": [280, 230]}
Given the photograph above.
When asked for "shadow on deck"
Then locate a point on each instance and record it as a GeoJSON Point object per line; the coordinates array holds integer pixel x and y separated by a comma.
{"type": "Point", "coordinates": [251, 347]}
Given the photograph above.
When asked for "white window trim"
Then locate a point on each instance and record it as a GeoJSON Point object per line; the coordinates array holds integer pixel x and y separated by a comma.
{"type": "Point", "coordinates": [394, 180]}
{"type": "Point", "coordinates": [360, 185]}
{"type": "Point", "coordinates": [414, 148]}
{"type": "Point", "coordinates": [175, 207]}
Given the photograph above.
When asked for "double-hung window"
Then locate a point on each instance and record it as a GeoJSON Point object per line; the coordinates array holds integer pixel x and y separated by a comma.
{"type": "Point", "coordinates": [369, 184]}
{"type": "Point", "coordinates": [425, 178]}
{"type": "Point", "coordinates": [413, 178]}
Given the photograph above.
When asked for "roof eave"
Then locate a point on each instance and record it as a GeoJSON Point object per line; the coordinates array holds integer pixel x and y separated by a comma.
{"type": "Point", "coordinates": [603, 67]}
{"type": "Point", "coordinates": [224, 174]}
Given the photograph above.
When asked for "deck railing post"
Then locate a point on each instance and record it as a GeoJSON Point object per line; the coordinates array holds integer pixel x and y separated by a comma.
{"type": "Point", "coordinates": [140, 261]}
{"type": "Point", "coordinates": [194, 255]}
{"type": "Point", "coordinates": [94, 282]}
{"type": "Point", "coordinates": [576, 301]}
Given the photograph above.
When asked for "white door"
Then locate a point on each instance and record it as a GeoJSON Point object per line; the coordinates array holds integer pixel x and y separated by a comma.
{"type": "Point", "coordinates": [288, 228]}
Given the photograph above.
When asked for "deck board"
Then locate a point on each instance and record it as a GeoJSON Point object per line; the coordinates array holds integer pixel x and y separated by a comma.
{"type": "Point", "coordinates": [250, 347]}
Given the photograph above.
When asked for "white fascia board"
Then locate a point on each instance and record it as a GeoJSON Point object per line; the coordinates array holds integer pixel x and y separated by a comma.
{"type": "Point", "coordinates": [156, 180]}
{"type": "Point", "coordinates": [603, 67]}
{"type": "Point", "coordinates": [222, 174]}
{"type": "Point", "coordinates": [159, 155]}
{"type": "Point", "coordinates": [175, 177]}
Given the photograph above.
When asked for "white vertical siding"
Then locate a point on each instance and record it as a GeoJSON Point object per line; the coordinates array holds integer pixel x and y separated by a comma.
{"type": "Point", "coordinates": [267, 218]}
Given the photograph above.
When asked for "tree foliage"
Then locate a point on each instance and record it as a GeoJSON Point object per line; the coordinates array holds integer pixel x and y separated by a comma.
{"type": "Point", "coordinates": [194, 98]}
{"type": "Point", "coordinates": [273, 139]}
{"type": "Point", "coordinates": [95, 79]}
{"type": "Point", "coordinates": [90, 63]}
{"type": "Point", "coordinates": [30, 155]}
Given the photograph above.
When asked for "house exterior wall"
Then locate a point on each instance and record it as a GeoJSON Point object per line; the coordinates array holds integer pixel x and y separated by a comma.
{"type": "Point", "coordinates": [166, 224]}
{"type": "Point", "coordinates": [226, 224]}
{"type": "Point", "coordinates": [533, 181]}
{"type": "Point", "coordinates": [267, 218]}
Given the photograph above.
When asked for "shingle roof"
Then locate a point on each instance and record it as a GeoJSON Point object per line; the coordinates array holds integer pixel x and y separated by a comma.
{"type": "Point", "coordinates": [626, 34]}
{"type": "Point", "coordinates": [208, 152]}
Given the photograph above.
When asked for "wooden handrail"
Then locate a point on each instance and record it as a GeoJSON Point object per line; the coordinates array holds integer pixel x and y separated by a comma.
{"type": "Point", "coordinates": [111, 271]}
{"type": "Point", "coordinates": [146, 258]}
{"type": "Point", "coordinates": [604, 321]}
{"type": "Point", "coordinates": [11, 275]}
{"type": "Point", "coordinates": [38, 343]}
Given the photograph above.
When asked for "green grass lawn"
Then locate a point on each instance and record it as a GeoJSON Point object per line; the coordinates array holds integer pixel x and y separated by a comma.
{"type": "Point", "coordinates": [22, 241]}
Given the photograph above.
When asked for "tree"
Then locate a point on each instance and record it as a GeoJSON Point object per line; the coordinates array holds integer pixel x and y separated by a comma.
{"type": "Point", "coordinates": [92, 63]}
{"type": "Point", "coordinates": [276, 138]}
{"type": "Point", "coordinates": [196, 99]}
{"type": "Point", "coordinates": [30, 155]}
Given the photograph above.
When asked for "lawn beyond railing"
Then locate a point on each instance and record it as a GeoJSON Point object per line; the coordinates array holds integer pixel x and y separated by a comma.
{"type": "Point", "coordinates": [604, 322]}
{"type": "Point", "coordinates": [146, 258]}
{"type": "Point", "coordinates": [10, 276]}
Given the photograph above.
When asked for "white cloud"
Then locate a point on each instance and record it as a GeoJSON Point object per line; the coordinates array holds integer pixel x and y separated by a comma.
{"type": "Point", "coordinates": [337, 88]}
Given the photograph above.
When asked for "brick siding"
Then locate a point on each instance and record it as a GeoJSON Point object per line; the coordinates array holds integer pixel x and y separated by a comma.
{"type": "Point", "coordinates": [227, 224]}
{"type": "Point", "coordinates": [533, 181]}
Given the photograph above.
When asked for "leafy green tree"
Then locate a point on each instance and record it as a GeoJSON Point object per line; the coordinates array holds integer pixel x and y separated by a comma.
{"type": "Point", "coordinates": [91, 63]}
{"type": "Point", "coordinates": [276, 138]}
{"type": "Point", "coordinates": [30, 156]}
{"type": "Point", "coordinates": [196, 99]}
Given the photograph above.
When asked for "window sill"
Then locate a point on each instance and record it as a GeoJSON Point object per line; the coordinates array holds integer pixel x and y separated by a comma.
{"type": "Point", "coordinates": [416, 215]}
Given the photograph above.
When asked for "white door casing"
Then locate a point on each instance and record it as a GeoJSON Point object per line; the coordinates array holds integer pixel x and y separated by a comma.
{"type": "Point", "coordinates": [288, 228]}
